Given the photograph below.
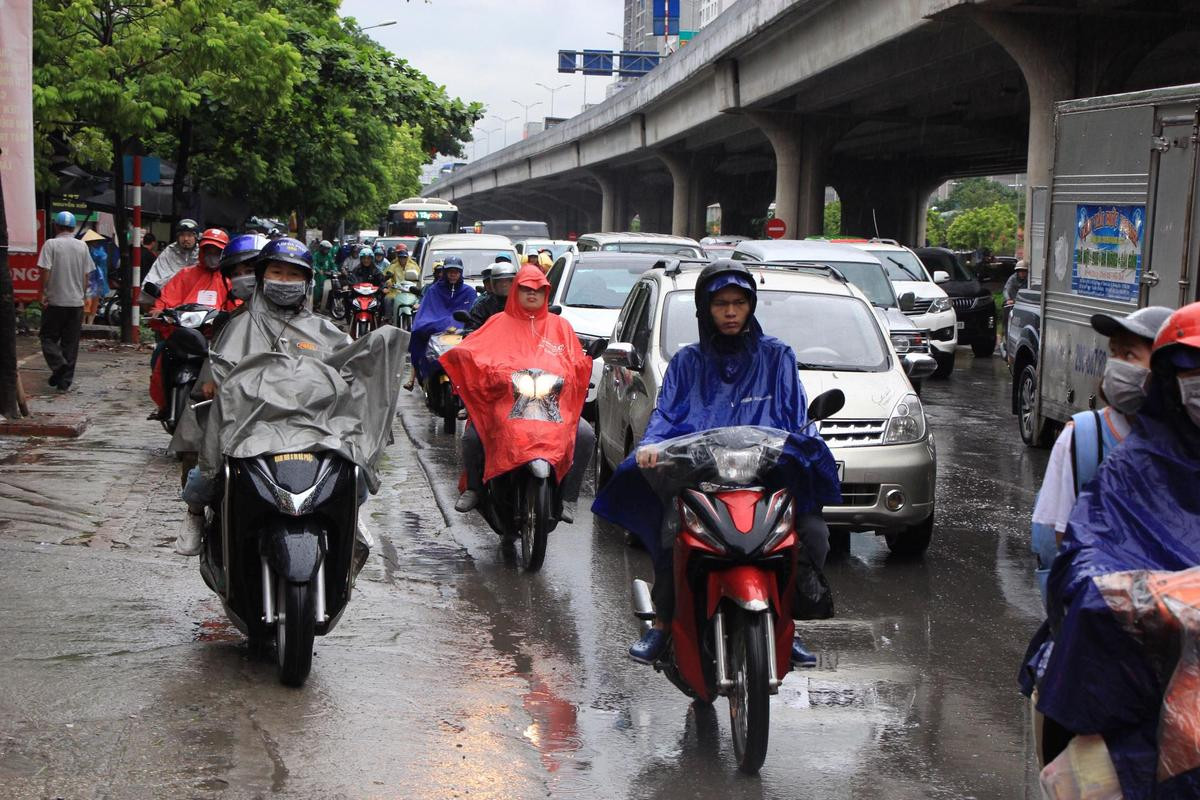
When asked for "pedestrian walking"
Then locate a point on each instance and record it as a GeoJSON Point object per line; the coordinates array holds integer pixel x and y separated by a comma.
{"type": "Point", "coordinates": [65, 263]}
{"type": "Point", "coordinates": [97, 283]}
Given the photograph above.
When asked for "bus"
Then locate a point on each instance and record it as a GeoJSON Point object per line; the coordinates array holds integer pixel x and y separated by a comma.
{"type": "Point", "coordinates": [421, 216]}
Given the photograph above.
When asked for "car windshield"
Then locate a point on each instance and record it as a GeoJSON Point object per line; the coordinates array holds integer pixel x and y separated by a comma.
{"type": "Point", "coordinates": [827, 332]}
{"type": "Point", "coordinates": [474, 261]}
{"type": "Point", "coordinates": [596, 284]}
{"type": "Point", "coordinates": [901, 265]}
{"type": "Point", "coordinates": [658, 248]}
{"type": "Point", "coordinates": [868, 277]}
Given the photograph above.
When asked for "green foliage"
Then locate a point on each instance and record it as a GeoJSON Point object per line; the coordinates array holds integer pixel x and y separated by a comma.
{"type": "Point", "coordinates": [833, 219]}
{"type": "Point", "coordinates": [972, 193]}
{"type": "Point", "coordinates": [993, 227]}
{"type": "Point", "coordinates": [936, 228]}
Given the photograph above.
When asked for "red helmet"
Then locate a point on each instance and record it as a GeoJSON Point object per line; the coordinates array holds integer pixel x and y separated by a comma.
{"type": "Point", "coordinates": [215, 237]}
{"type": "Point", "coordinates": [1181, 328]}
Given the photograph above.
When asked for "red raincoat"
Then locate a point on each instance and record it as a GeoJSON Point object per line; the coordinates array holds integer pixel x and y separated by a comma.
{"type": "Point", "coordinates": [196, 284]}
{"type": "Point", "coordinates": [523, 378]}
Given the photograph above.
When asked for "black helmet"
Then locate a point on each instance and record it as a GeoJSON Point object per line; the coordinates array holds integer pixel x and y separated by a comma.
{"type": "Point", "coordinates": [718, 275]}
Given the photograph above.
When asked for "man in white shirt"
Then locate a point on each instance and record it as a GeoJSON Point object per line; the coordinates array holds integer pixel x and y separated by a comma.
{"type": "Point", "coordinates": [65, 263]}
{"type": "Point", "coordinates": [183, 252]}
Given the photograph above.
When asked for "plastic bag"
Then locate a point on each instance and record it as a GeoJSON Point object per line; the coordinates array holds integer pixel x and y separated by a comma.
{"type": "Point", "coordinates": [1083, 771]}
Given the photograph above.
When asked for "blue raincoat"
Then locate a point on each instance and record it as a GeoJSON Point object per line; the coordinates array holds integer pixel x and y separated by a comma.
{"type": "Point", "coordinates": [436, 314]}
{"type": "Point", "coordinates": [705, 387]}
{"type": "Point", "coordinates": [1141, 512]}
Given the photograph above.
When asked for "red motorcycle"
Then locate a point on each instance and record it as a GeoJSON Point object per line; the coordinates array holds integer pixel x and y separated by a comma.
{"type": "Point", "coordinates": [365, 309]}
{"type": "Point", "coordinates": [186, 331]}
{"type": "Point", "coordinates": [735, 562]}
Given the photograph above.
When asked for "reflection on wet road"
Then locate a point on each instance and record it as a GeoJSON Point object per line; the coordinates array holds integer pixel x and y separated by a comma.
{"type": "Point", "coordinates": [453, 673]}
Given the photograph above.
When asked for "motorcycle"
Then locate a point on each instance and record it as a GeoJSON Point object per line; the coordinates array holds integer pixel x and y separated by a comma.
{"type": "Point", "coordinates": [439, 394]}
{"type": "Point", "coordinates": [366, 304]}
{"type": "Point", "coordinates": [282, 554]}
{"type": "Point", "coordinates": [338, 290]}
{"type": "Point", "coordinates": [406, 305]}
{"type": "Point", "coordinates": [734, 562]}
{"type": "Point", "coordinates": [186, 331]}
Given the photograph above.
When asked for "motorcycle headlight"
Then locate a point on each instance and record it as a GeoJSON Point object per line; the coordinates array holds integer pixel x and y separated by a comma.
{"type": "Point", "coordinates": [736, 466]}
{"type": "Point", "coordinates": [939, 305]}
{"type": "Point", "coordinates": [694, 526]}
{"type": "Point", "coordinates": [907, 423]}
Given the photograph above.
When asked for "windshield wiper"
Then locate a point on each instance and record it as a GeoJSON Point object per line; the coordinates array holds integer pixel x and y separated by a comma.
{"type": "Point", "coordinates": [586, 305]}
{"type": "Point", "coordinates": [906, 269]}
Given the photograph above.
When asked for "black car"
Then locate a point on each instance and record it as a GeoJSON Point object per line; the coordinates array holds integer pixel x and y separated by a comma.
{"type": "Point", "coordinates": [973, 304]}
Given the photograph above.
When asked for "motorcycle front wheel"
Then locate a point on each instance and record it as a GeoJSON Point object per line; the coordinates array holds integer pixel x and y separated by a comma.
{"type": "Point", "coordinates": [405, 322]}
{"type": "Point", "coordinates": [749, 700]}
{"type": "Point", "coordinates": [294, 631]}
{"type": "Point", "coordinates": [535, 523]}
{"type": "Point", "coordinates": [449, 409]}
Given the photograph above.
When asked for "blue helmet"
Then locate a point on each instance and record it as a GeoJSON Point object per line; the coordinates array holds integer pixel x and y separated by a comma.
{"type": "Point", "coordinates": [365, 252]}
{"type": "Point", "coordinates": [65, 218]}
{"type": "Point", "coordinates": [288, 250]}
{"type": "Point", "coordinates": [242, 249]}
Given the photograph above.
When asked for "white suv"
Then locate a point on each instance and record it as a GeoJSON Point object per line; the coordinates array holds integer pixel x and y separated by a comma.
{"type": "Point", "coordinates": [932, 309]}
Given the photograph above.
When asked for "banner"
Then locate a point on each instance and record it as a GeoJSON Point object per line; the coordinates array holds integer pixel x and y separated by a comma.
{"type": "Point", "coordinates": [16, 123]}
{"type": "Point", "coordinates": [26, 277]}
{"type": "Point", "coordinates": [1107, 261]}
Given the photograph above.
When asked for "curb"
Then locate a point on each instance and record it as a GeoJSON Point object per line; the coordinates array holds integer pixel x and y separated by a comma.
{"type": "Point", "coordinates": [63, 425]}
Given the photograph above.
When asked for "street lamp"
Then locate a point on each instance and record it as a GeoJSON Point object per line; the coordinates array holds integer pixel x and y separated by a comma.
{"type": "Point", "coordinates": [378, 25]}
{"type": "Point", "coordinates": [489, 135]}
{"type": "Point", "coordinates": [527, 107]}
{"type": "Point", "coordinates": [551, 90]}
{"type": "Point", "coordinates": [619, 36]}
{"type": "Point", "coordinates": [505, 121]}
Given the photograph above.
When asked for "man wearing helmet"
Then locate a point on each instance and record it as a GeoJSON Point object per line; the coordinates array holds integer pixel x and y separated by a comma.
{"type": "Point", "coordinates": [734, 375]}
{"type": "Point", "coordinates": [65, 263]}
{"type": "Point", "coordinates": [503, 271]}
{"type": "Point", "coordinates": [324, 267]}
{"type": "Point", "coordinates": [183, 252]}
{"type": "Point", "coordinates": [202, 283]}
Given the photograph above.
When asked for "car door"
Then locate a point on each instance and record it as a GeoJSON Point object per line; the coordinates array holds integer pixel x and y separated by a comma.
{"type": "Point", "coordinates": [612, 389]}
{"type": "Point", "coordinates": [642, 390]}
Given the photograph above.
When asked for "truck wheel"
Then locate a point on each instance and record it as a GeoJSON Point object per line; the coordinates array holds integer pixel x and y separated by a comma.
{"type": "Point", "coordinates": [1032, 426]}
{"type": "Point", "coordinates": [945, 364]}
{"type": "Point", "coordinates": [912, 541]}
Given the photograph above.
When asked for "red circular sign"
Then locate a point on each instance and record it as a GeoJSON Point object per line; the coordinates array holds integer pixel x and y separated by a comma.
{"type": "Point", "coordinates": [776, 228]}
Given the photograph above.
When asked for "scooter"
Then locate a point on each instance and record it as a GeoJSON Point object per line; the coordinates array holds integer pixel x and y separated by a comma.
{"type": "Point", "coordinates": [439, 394]}
{"type": "Point", "coordinates": [186, 331]}
{"type": "Point", "coordinates": [366, 304]}
{"type": "Point", "coordinates": [734, 563]}
{"type": "Point", "coordinates": [281, 551]}
{"type": "Point", "coordinates": [406, 305]}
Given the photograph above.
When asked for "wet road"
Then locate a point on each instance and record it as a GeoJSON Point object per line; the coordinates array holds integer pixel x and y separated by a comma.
{"type": "Point", "coordinates": [453, 674]}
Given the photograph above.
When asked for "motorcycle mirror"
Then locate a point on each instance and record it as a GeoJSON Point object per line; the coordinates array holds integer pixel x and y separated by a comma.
{"type": "Point", "coordinates": [826, 404]}
{"type": "Point", "coordinates": [151, 289]}
{"type": "Point", "coordinates": [555, 309]}
{"type": "Point", "coordinates": [907, 301]}
{"type": "Point", "coordinates": [596, 348]}
{"type": "Point", "coordinates": [462, 316]}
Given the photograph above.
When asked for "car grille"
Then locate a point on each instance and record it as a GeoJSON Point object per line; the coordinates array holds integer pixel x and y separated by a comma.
{"type": "Point", "coordinates": [860, 494]}
{"type": "Point", "coordinates": [963, 303]}
{"type": "Point", "coordinates": [852, 432]}
{"type": "Point", "coordinates": [920, 306]}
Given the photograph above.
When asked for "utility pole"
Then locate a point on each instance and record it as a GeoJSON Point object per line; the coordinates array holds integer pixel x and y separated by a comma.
{"type": "Point", "coordinates": [9, 399]}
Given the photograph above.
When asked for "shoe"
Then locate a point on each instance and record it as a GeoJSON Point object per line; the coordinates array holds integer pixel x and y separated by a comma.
{"type": "Point", "coordinates": [647, 649]}
{"type": "Point", "coordinates": [53, 381]}
{"type": "Point", "coordinates": [191, 535]}
{"type": "Point", "coordinates": [63, 385]}
{"type": "Point", "coordinates": [408, 386]}
{"type": "Point", "coordinates": [567, 514]}
{"type": "Point", "coordinates": [467, 501]}
{"type": "Point", "coordinates": [801, 655]}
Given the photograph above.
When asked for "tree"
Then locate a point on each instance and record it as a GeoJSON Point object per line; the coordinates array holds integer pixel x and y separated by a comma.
{"type": "Point", "coordinates": [994, 228]}
{"type": "Point", "coordinates": [833, 219]}
{"type": "Point", "coordinates": [935, 227]}
{"type": "Point", "coordinates": [972, 193]}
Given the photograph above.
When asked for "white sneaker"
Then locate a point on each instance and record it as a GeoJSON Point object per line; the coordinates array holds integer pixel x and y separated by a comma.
{"type": "Point", "coordinates": [191, 535]}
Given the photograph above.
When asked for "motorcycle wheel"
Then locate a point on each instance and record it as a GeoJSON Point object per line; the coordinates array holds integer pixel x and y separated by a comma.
{"type": "Point", "coordinates": [749, 700]}
{"type": "Point", "coordinates": [294, 631]}
{"type": "Point", "coordinates": [337, 309]}
{"type": "Point", "coordinates": [449, 410]}
{"type": "Point", "coordinates": [535, 524]}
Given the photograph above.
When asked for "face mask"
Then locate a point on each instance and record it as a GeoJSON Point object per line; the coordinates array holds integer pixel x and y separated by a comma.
{"type": "Point", "coordinates": [1124, 385]}
{"type": "Point", "coordinates": [1189, 394]}
{"type": "Point", "coordinates": [288, 294]}
{"type": "Point", "coordinates": [242, 287]}
{"type": "Point", "coordinates": [212, 260]}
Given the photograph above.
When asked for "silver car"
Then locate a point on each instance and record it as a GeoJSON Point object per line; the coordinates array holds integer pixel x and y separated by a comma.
{"type": "Point", "coordinates": [880, 439]}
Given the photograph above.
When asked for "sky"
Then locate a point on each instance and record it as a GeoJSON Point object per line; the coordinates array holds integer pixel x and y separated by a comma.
{"type": "Point", "coordinates": [495, 52]}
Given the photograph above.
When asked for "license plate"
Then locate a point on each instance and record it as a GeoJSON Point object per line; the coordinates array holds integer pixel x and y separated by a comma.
{"type": "Point", "coordinates": [960, 324]}
{"type": "Point", "coordinates": [841, 465]}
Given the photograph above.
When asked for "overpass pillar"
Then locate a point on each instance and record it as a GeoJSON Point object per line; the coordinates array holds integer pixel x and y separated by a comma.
{"type": "Point", "coordinates": [608, 199]}
{"type": "Point", "coordinates": [680, 167]}
{"type": "Point", "coordinates": [783, 132]}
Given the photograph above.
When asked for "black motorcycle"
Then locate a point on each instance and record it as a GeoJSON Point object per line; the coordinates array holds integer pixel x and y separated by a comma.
{"type": "Point", "coordinates": [281, 552]}
{"type": "Point", "coordinates": [186, 331]}
{"type": "Point", "coordinates": [439, 394]}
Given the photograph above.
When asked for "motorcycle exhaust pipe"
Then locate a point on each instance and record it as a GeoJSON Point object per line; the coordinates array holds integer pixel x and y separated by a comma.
{"type": "Point", "coordinates": [643, 605]}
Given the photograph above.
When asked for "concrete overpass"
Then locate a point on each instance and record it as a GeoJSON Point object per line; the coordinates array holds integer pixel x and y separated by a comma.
{"type": "Point", "coordinates": [882, 99]}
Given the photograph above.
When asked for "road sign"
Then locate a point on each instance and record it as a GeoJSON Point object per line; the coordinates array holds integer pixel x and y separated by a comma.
{"type": "Point", "coordinates": [776, 228]}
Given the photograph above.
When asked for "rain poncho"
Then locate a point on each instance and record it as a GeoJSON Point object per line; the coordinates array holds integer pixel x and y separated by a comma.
{"type": "Point", "coordinates": [197, 284]}
{"type": "Point", "coordinates": [436, 314]}
{"type": "Point", "coordinates": [523, 378]}
{"type": "Point", "coordinates": [1098, 669]}
{"type": "Point", "coordinates": [172, 259]}
{"type": "Point", "coordinates": [750, 379]}
{"type": "Point", "coordinates": [290, 382]}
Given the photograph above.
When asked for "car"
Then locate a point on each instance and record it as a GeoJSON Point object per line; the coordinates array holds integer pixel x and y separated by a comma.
{"type": "Point", "coordinates": [881, 439]}
{"type": "Point", "coordinates": [1022, 345]}
{"type": "Point", "coordinates": [556, 246]}
{"type": "Point", "coordinates": [477, 251]}
{"type": "Point", "coordinates": [514, 229]}
{"type": "Point", "coordinates": [931, 310]}
{"type": "Point", "coordinates": [973, 303]}
{"type": "Point", "coordinates": [637, 242]}
{"type": "Point", "coordinates": [409, 242]}
{"type": "Point", "coordinates": [861, 269]}
{"type": "Point", "coordinates": [590, 288]}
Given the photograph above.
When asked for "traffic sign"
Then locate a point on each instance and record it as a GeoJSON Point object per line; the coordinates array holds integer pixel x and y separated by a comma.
{"type": "Point", "coordinates": [776, 228]}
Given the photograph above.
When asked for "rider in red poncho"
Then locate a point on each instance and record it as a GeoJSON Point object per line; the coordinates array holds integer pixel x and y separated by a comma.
{"type": "Point", "coordinates": [527, 346]}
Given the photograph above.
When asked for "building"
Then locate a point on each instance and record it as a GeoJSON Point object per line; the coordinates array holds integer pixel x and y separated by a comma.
{"type": "Point", "coordinates": [709, 9]}
{"type": "Point", "coordinates": [638, 30]}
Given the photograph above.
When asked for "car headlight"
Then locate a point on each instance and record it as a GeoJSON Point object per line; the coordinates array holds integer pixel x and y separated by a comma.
{"type": "Point", "coordinates": [697, 529]}
{"type": "Point", "coordinates": [939, 305]}
{"type": "Point", "coordinates": [913, 342]}
{"type": "Point", "coordinates": [907, 423]}
{"type": "Point", "coordinates": [736, 466]}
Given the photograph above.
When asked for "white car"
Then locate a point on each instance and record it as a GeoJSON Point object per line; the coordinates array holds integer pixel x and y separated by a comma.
{"type": "Point", "coordinates": [590, 289]}
{"type": "Point", "coordinates": [556, 247]}
{"type": "Point", "coordinates": [880, 439]}
{"type": "Point", "coordinates": [932, 309]}
{"type": "Point", "coordinates": [478, 251]}
{"type": "Point", "coordinates": [636, 242]}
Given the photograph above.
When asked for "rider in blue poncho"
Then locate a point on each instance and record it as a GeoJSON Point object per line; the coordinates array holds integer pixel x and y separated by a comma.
{"type": "Point", "coordinates": [1141, 512]}
{"type": "Point", "coordinates": [735, 375]}
{"type": "Point", "coordinates": [440, 300]}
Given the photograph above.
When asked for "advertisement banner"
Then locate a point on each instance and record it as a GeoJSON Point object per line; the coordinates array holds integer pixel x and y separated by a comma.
{"type": "Point", "coordinates": [1107, 262]}
{"type": "Point", "coordinates": [16, 123]}
{"type": "Point", "coordinates": [26, 277]}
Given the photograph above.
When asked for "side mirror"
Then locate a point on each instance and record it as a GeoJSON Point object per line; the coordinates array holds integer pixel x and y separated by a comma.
{"type": "Point", "coordinates": [826, 404]}
{"type": "Point", "coordinates": [941, 276]}
{"type": "Point", "coordinates": [596, 348]}
{"type": "Point", "coordinates": [152, 290]}
{"type": "Point", "coordinates": [907, 301]}
{"type": "Point", "coordinates": [918, 366]}
{"type": "Point", "coordinates": [461, 316]}
{"type": "Point", "coordinates": [555, 309]}
{"type": "Point", "coordinates": [622, 354]}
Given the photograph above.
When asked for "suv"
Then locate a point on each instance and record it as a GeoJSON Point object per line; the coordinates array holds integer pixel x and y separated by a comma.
{"type": "Point", "coordinates": [590, 288]}
{"type": "Point", "coordinates": [931, 309]}
{"type": "Point", "coordinates": [973, 303]}
{"type": "Point", "coordinates": [662, 244]}
{"type": "Point", "coordinates": [478, 251]}
{"type": "Point", "coordinates": [880, 439]}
